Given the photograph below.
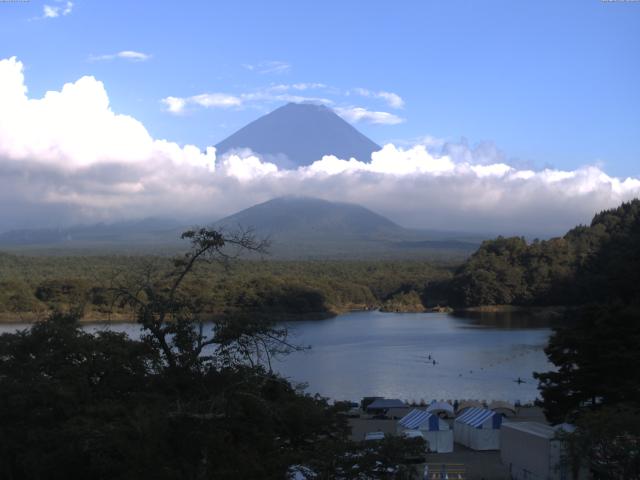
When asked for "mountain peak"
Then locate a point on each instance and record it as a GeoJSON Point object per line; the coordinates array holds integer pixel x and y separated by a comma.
{"type": "Point", "coordinates": [298, 134]}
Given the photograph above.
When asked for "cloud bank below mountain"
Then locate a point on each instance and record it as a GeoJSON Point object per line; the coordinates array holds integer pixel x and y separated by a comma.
{"type": "Point", "coordinates": [68, 158]}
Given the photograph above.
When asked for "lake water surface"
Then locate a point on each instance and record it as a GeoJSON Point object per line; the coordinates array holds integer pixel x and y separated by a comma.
{"type": "Point", "coordinates": [391, 354]}
{"type": "Point", "coordinates": [387, 354]}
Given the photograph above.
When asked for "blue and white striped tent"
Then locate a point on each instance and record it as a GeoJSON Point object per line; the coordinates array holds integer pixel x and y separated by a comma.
{"type": "Point", "coordinates": [478, 429]}
{"type": "Point", "coordinates": [420, 420]}
{"type": "Point", "coordinates": [433, 429]}
{"type": "Point", "coordinates": [477, 418]}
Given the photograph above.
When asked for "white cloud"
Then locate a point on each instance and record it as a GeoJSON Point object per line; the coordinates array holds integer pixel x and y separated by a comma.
{"type": "Point", "coordinates": [393, 100]}
{"type": "Point", "coordinates": [50, 12]}
{"type": "Point", "coordinates": [287, 98]}
{"type": "Point", "coordinates": [175, 104]}
{"type": "Point", "coordinates": [269, 67]}
{"type": "Point", "coordinates": [178, 105]}
{"type": "Point", "coordinates": [298, 86]}
{"type": "Point", "coordinates": [74, 127]}
{"type": "Point", "coordinates": [67, 157]}
{"type": "Point", "coordinates": [294, 92]}
{"type": "Point", "coordinates": [54, 11]}
{"type": "Point", "coordinates": [247, 168]}
{"type": "Point", "coordinates": [360, 114]}
{"type": "Point", "coordinates": [210, 100]}
{"type": "Point", "coordinates": [130, 55]}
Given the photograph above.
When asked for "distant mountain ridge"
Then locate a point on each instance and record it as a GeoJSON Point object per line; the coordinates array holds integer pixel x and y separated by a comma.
{"type": "Point", "coordinates": [145, 231]}
{"type": "Point", "coordinates": [298, 227]}
{"type": "Point", "coordinates": [298, 134]}
{"type": "Point", "coordinates": [312, 228]}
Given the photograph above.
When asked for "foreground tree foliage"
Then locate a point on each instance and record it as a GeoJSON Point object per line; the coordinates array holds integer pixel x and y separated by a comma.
{"type": "Point", "coordinates": [187, 401]}
{"type": "Point", "coordinates": [595, 351]}
{"type": "Point", "coordinates": [607, 442]}
{"type": "Point", "coordinates": [596, 387]}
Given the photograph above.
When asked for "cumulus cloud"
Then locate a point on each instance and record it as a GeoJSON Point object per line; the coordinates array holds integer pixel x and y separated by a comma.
{"type": "Point", "coordinates": [54, 11]}
{"type": "Point", "coordinates": [361, 114]}
{"type": "Point", "coordinates": [130, 55]}
{"type": "Point", "coordinates": [175, 104]}
{"type": "Point", "coordinates": [67, 157]}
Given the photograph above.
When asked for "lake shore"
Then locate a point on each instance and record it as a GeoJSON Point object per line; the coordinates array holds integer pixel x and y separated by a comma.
{"type": "Point", "coordinates": [546, 312]}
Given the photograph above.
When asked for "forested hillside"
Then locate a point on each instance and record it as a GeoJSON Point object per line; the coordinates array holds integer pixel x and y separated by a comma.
{"type": "Point", "coordinates": [31, 287]}
{"type": "Point", "coordinates": [595, 263]}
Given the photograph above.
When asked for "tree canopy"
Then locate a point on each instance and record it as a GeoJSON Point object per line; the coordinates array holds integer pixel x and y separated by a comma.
{"type": "Point", "coordinates": [599, 262]}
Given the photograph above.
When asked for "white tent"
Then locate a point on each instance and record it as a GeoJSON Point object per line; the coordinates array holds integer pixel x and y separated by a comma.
{"type": "Point", "coordinates": [478, 429]}
{"type": "Point", "coordinates": [433, 429]}
{"type": "Point", "coordinates": [441, 407]}
{"type": "Point", "coordinates": [533, 450]}
{"type": "Point", "coordinates": [505, 408]}
{"type": "Point", "coordinates": [466, 404]}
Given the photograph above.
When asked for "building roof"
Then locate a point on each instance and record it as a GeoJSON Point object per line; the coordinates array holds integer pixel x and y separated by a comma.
{"type": "Point", "coordinates": [540, 429]}
{"type": "Point", "coordinates": [398, 412]}
{"type": "Point", "coordinates": [533, 428]}
{"type": "Point", "coordinates": [475, 417]}
{"type": "Point", "coordinates": [383, 403]}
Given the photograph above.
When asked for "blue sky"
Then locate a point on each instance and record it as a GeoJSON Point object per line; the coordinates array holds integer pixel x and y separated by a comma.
{"type": "Point", "coordinates": [551, 83]}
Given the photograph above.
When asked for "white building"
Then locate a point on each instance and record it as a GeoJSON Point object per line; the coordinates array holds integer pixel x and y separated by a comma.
{"type": "Point", "coordinates": [433, 429]}
{"type": "Point", "coordinates": [531, 450]}
{"type": "Point", "coordinates": [478, 429]}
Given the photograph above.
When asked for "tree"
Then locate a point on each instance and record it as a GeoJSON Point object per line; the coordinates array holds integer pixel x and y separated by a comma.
{"type": "Point", "coordinates": [67, 399]}
{"type": "Point", "coordinates": [595, 263]}
{"type": "Point", "coordinates": [593, 352]}
{"type": "Point", "coordinates": [607, 442]}
{"type": "Point", "coordinates": [170, 314]}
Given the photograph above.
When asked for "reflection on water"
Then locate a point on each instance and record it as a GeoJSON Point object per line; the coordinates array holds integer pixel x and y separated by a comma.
{"type": "Point", "coordinates": [509, 320]}
{"type": "Point", "coordinates": [411, 356]}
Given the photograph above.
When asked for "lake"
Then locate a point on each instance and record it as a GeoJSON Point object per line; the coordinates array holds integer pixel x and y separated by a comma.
{"type": "Point", "coordinates": [392, 355]}
{"type": "Point", "coordinates": [388, 354]}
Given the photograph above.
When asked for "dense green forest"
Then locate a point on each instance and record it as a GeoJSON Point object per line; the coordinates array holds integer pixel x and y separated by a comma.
{"type": "Point", "coordinates": [599, 262]}
{"type": "Point", "coordinates": [595, 263]}
{"type": "Point", "coordinates": [33, 286]}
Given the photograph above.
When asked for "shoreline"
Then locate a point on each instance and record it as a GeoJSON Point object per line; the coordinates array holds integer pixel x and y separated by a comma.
{"type": "Point", "coordinates": [549, 312]}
